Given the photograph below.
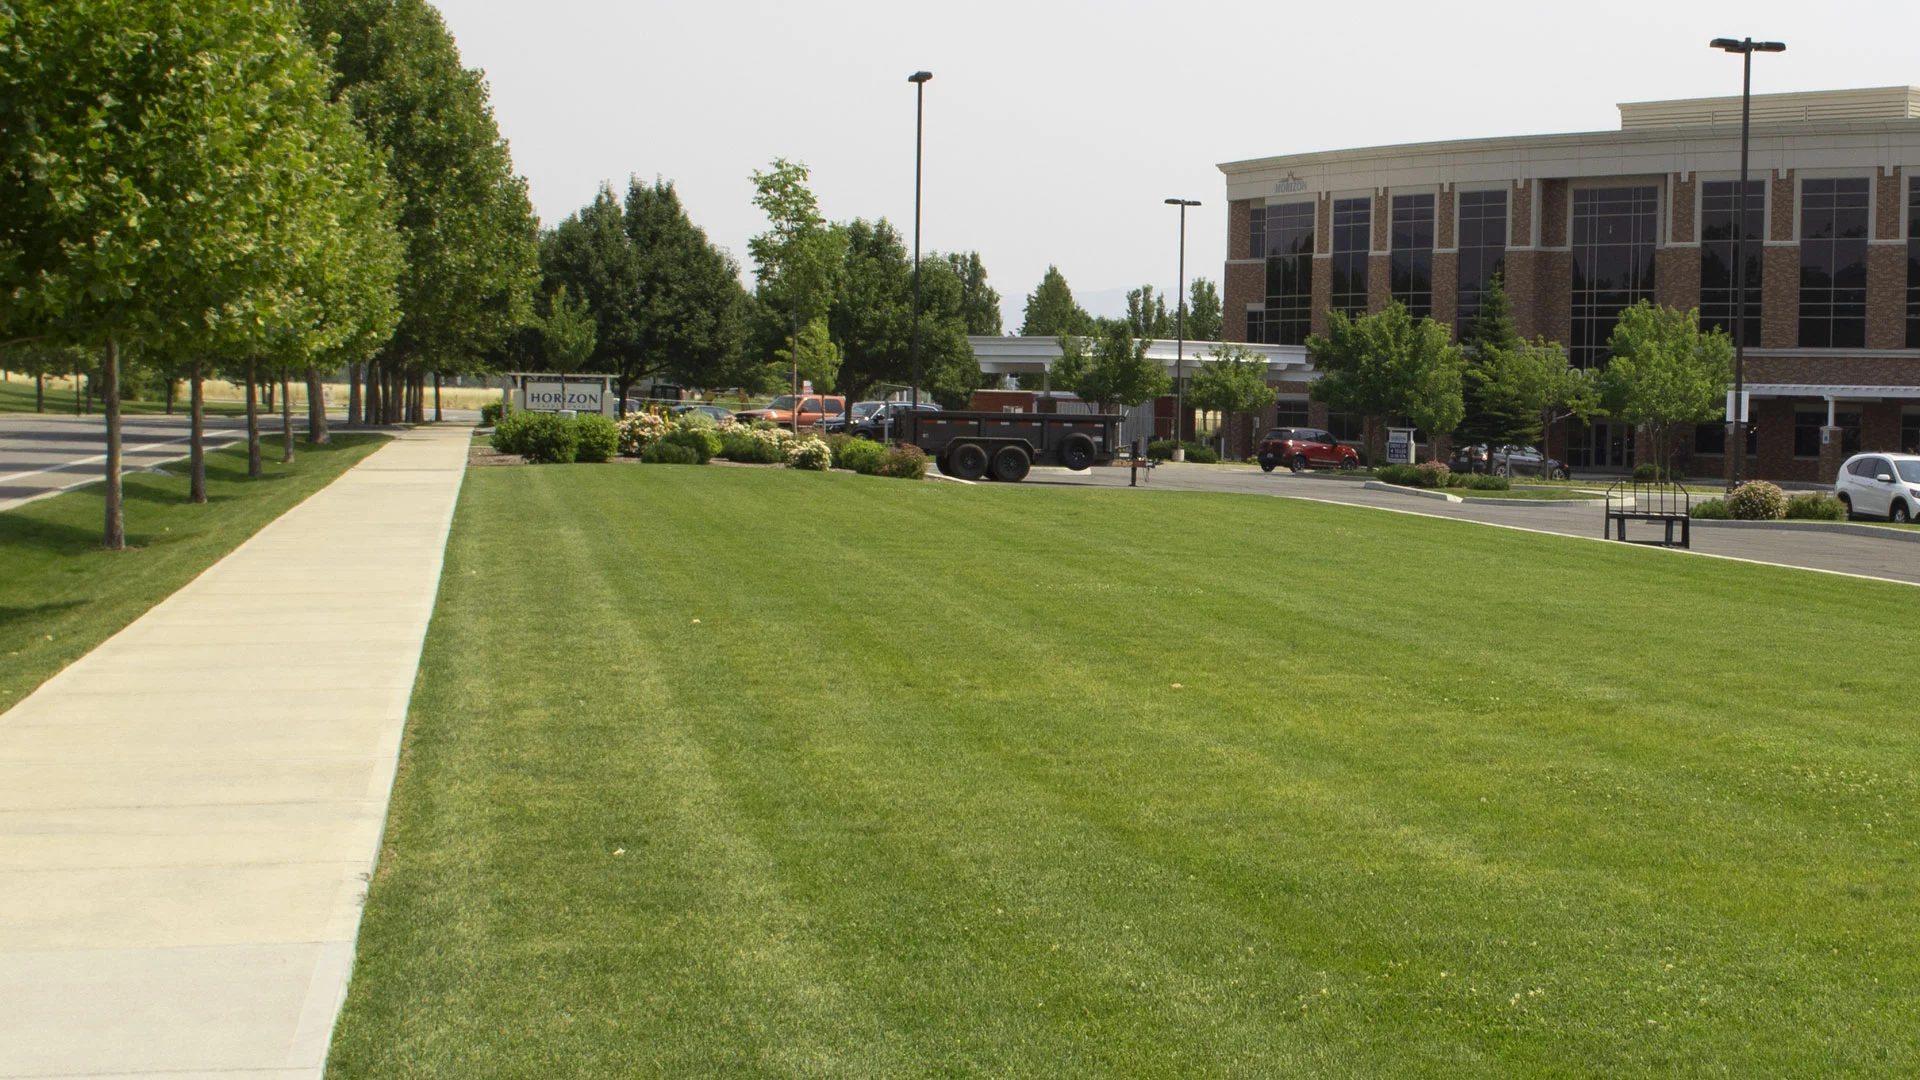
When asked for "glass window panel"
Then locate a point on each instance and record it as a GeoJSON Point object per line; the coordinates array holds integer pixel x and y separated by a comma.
{"type": "Point", "coordinates": [1833, 262]}
{"type": "Point", "coordinates": [1614, 231]}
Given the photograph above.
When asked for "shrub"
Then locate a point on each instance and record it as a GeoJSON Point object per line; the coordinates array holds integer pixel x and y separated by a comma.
{"type": "Point", "coordinates": [1644, 473]}
{"type": "Point", "coordinates": [704, 444]}
{"type": "Point", "coordinates": [549, 439]}
{"type": "Point", "coordinates": [598, 436]}
{"type": "Point", "coordinates": [1757, 500]}
{"type": "Point", "coordinates": [903, 462]}
{"type": "Point", "coordinates": [694, 420]}
{"type": "Point", "coordinates": [1202, 454]}
{"type": "Point", "coordinates": [1815, 506]}
{"type": "Point", "coordinates": [1433, 473]}
{"type": "Point", "coordinates": [638, 429]}
{"type": "Point", "coordinates": [1710, 510]}
{"type": "Point", "coordinates": [490, 414]}
{"type": "Point", "coordinates": [809, 453]}
{"type": "Point", "coordinates": [662, 452]}
{"type": "Point", "coordinates": [754, 445]}
{"type": "Point", "coordinates": [860, 455]}
{"type": "Point", "coordinates": [1404, 475]}
{"type": "Point", "coordinates": [510, 434]}
{"type": "Point", "coordinates": [1160, 449]}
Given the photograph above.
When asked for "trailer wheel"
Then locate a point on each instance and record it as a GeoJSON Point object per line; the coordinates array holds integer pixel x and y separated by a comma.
{"type": "Point", "coordinates": [1077, 453]}
{"type": "Point", "coordinates": [1010, 465]}
{"type": "Point", "coordinates": [969, 461]}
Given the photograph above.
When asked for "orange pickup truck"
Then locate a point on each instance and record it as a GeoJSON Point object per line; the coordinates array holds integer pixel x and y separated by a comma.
{"type": "Point", "coordinates": [813, 409]}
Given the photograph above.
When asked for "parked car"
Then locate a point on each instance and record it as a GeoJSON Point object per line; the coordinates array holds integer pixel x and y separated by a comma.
{"type": "Point", "coordinates": [861, 410]}
{"type": "Point", "coordinates": [1471, 457]}
{"type": "Point", "coordinates": [1880, 485]}
{"type": "Point", "coordinates": [1300, 449]}
{"type": "Point", "coordinates": [811, 409]}
{"type": "Point", "coordinates": [884, 423]}
{"type": "Point", "coordinates": [1506, 461]}
{"type": "Point", "coordinates": [720, 415]}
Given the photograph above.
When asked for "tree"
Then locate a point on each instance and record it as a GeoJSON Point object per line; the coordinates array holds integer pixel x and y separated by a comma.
{"type": "Point", "coordinates": [979, 303]}
{"type": "Point", "coordinates": [797, 260]}
{"type": "Point", "coordinates": [1204, 321]}
{"type": "Point", "coordinates": [1147, 313]}
{"type": "Point", "coordinates": [1110, 368]}
{"type": "Point", "coordinates": [1385, 364]}
{"type": "Point", "coordinates": [568, 332]}
{"type": "Point", "coordinates": [467, 226]}
{"type": "Point", "coordinates": [1051, 311]}
{"type": "Point", "coordinates": [872, 315]}
{"type": "Point", "coordinates": [168, 177]}
{"type": "Point", "coordinates": [1232, 381]}
{"type": "Point", "coordinates": [1664, 372]}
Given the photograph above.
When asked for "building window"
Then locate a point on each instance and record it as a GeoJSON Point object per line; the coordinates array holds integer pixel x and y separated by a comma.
{"type": "Point", "coordinates": [1482, 233]}
{"type": "Point", "coordinates": [1614, 230]}
{"type": "Point", "coordinates": [1710, 438]}
{"type": "Point", "coordinates": [1289, 257]}
{"type": "Point", "coordinates": [1347, 426]}
{"type": "Point", "coordinates": [1291, 414]}
{"type": "Point", "coordinates": [1806, 432]}
{"type": "Point", "coordinates": [1413, 253]}
{"type": "Point", "coordinates": [1718, 201]}
{"type": "Point", "coordinates": [1257, 233]}
{"type": "Point", "coordinates": [1910, 433]}
{"type": "Point", "coordinates": [1352, 233]}
{"type": "Point", "coordinates": [1256, 326]}
{"type": "Point", "coordinates": [1833, 264]}
{"type": "Point", "coordinates": [1913, 264]}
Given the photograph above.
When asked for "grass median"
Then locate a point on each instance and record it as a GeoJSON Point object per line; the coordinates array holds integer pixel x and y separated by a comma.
{"type": "Point", "coordinates": [763, 773]}
{"type": "Point", "coordinates": [61, 594]}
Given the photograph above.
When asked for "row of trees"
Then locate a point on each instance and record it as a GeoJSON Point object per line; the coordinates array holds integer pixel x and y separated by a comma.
{"type": "Point", "coordinates": [1496, 387]}
{"type": "Point", "coordinates": [630, 286]}
{"type": "Point", "coordinates": [262, 190]}
{"type": "Point", "coordinates": [1051, 311]}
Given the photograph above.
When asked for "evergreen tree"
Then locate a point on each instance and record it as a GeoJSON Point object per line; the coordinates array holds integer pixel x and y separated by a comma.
{"type": "Point", "coordinates": [1051, 310]}
{"type": "Point", "coordinates": [1147, 313]}
{"type": "Point", "coordinates": [1204, 320]}
{"type": "Point", "coordinates": [979, 303]}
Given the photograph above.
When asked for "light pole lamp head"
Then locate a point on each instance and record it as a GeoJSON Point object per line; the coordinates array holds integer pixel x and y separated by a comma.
{"type": "Point", "coordinates": [1746, 45]}
{"type": "Point", "coordinates": [920, 76]}
{"type": "Point", "coordinates": [1182, 202]}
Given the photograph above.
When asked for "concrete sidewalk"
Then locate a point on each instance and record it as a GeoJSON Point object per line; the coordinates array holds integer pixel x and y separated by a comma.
{"type": "Point", "coordinates": [190, 813]}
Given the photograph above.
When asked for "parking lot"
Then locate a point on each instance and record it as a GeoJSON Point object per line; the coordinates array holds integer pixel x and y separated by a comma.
{"type": "Point", "coordinates": [1891, 558]}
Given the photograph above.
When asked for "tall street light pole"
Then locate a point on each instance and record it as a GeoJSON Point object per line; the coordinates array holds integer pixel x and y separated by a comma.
{"type": "Point", "coordinates": [919, 81]}
{"type": "Point", "coordinates": [1180, 333]}
{"type": "Point", "coordinates": [1746, 47]}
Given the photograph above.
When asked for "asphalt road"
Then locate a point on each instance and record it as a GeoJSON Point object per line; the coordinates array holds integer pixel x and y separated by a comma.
{"type": "Point", "coordinates": [42, 455]}
{"type": "Point", "coordinates": [1891, 559]}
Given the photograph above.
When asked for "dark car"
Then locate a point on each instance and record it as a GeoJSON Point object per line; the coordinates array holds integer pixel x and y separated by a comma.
{"type": "Point", "coordinates": [883, 423]}
{"type": "Point", "coordinates": [719, 415]}
{"type": "Point", "coordinates": [1301, 449]}
{"type": "Point", "coordinates": [861, 410]}
{"type": "Point", "coordinates": [1506, 461]}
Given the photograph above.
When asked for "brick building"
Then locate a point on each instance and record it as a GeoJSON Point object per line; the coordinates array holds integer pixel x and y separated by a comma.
{"type": "Point", "coordinates": [1584, 225]}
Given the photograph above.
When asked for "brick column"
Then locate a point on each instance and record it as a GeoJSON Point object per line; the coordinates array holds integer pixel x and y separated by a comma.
{"type": "Point", "coordinates": [1780, 269]}
{"type": "Point", "coordinates": [1830, 454]}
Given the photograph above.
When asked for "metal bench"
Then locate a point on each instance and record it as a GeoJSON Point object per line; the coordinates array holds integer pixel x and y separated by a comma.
{"type": "Point", "coordinates": [1653, 501]}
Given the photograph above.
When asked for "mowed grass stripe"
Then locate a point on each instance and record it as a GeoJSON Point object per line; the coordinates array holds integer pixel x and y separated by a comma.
{"type": "Point", "coordinates": [916, 795]}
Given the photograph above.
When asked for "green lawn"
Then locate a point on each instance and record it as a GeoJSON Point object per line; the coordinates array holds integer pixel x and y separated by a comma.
{"type": "Point", "coordinates": [735, 772]}
{"type": "Point", "coordinates": [61, 593]}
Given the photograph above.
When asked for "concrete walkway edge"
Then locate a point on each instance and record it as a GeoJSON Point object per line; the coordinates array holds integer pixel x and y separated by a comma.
{"type": "Point", "coordinates": [190, 814]}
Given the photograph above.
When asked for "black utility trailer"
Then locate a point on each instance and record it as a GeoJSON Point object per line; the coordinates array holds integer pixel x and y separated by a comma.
{"type": "Point", "coordinates": [1004, 445]}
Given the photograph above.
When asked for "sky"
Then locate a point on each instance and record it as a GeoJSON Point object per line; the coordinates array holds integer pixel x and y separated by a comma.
{"type": "Point", "coordinates": [1055, 130]}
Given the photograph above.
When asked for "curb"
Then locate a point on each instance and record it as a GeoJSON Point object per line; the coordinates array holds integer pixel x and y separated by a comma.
{"type": "Point", "coordinates": [1852, 529]}
{"type": "Point", "coordinates": [1485, 501]}
{"type": "Point", "coordinates": [1381, 485]}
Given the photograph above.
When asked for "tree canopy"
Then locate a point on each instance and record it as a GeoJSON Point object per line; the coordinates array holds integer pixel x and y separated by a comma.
{"type": "Point", "coordinates": [1664, 372]}
{"type": "Point", "coordinates": [1204, 320]}
{"type": "Point", "coordinates": [1109, 368]}
{"type": "Point", "coordinates": [1232, 380]}
{"type": "Point", "coordinates": [1386, 364]}
{"type": "Point", "coordinates": [1051, 310]}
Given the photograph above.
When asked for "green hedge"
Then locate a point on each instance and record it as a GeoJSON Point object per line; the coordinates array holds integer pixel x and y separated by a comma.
{"type": "Point", "coordinates": [903, 462]}
{"type": "Point", "coordinates": [1433, 474]}
{"type": "Point", "coordinates": [1815, 506]}
{"type": "Point", "coordinates": [1198, 453]}
{"type": "Point", "coordinates": [1710, 510]}
{"type": "Point", "coordinates": [598, 436]}
{"type": "Point", "coordinates": [662, 452]}
{"type": "Point", "coordinates": [490, 413]}
{"type": "Point", "coordinates": [703, 443]}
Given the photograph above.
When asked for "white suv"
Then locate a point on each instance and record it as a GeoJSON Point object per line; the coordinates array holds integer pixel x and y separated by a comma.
{"type": "Point", "coordinates": [1880, 485]}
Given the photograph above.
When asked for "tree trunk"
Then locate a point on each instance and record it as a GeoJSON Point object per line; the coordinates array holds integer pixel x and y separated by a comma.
{"type": "Point", "coordinates": [197, 454]}
{"type": "Point", "coordinates": [78, 397]}
{"type": "Point", "coordinates": [316, 409]}
{"type": "Point", "coordinates": [40, 392]}
{"type": "Point", "coordinates": [436, 398]}
{"type": "Point", "coordinates": [353, 395]}
{"type": "Point", "coordinates": [253, 419]}
{"type": "Point", "coordinates": [173, 389]}
{"type": "Point", "coordinates": [370, 407]}
{"type": "Point", "coordinates": [286, 417]}
{"type": "Point", "coordinates": [116, 533]}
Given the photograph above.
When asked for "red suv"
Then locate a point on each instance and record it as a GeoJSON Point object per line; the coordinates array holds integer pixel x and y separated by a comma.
{"type": "Point", "coordinates": [1301, 449]}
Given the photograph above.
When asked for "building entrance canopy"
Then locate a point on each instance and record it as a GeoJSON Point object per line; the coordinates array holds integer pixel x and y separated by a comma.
{"type": "Point", "coordinates": [1033, 355]}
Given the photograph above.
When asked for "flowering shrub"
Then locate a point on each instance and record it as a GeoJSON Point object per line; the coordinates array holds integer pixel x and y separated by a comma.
{"type": "Point", "coordinates": [1757, 500]}
{"type": "Point", "coordinates": [639, 429]}
{"type": "Point", "coordinates": [810, 453]}
{"type": "Point", "coordinates": [904, 462]}
{"type": "Point", "coordinates": [1437, 470]}
{"type": "Point", "coordinates": [754, 444]}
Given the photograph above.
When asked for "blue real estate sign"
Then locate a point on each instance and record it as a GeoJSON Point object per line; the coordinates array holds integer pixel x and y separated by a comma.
{"type": "Point", "coordinates": [1400, 446]}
